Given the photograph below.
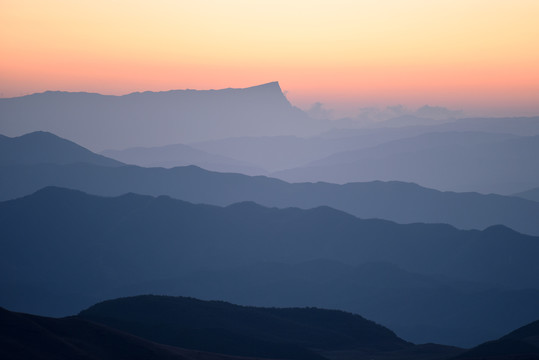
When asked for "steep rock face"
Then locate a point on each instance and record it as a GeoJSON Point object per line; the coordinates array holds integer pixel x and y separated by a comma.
{"type": "Point", "coordinates": [157, 118]}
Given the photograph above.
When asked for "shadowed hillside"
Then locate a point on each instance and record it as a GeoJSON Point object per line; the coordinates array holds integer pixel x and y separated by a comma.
{"type": "Point", "coordinates": [521, 344]}
{"type": "Point", "coordinates": [396, 201]}
{"type": "Point", "coordinates": [24, 336]}
{"type": "Point", "coordinates": [247, 331]}
{"type": "Point", "coordinates": [45, 148]}
{"type": "Point", "coordinates": [110, 244]}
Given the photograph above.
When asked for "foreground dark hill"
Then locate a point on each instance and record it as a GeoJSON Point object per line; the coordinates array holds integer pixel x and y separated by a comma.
{"type": "Point", "coordinates": [293, 333]}
{"type": "Point", "coordinates": [157, 118]}
{"type": "Point", "coordinates": [24, 336]}
{"type": "Point", "coordinates": [396, 201]}
{"type": "Point", "coordinates": [42, 147]}
{"type": "Point", "coordinates": [114, 245]}
{"type": "Point", "coordinates": [486, 163]}
{"type": "Point", "coordinates": [521, 344]}
{"type": "Point", "coordinates": [418, 307]}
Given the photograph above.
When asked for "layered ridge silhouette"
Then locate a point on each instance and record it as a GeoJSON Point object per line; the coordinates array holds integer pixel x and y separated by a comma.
{"type": "Point", "coordinates": [110, 244]}
{"type": "Point", "coordinates": [397, 201]}
{"type": "Point", "coordinates": [157, 118]}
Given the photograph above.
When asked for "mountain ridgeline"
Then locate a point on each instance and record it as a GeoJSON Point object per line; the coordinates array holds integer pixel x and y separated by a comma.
{"type": "Point", "coordinates": [151, 215]}
{"type": "Point", "coordinates": [221, 327]}
{"type": "Point", "coordinates": [396, 201]}
{"type": "Point", "coordinates": [25, 336]}
{"type": "Point", "coordinates": [45, 148]}
{"type": "Point", "coordinates": [157, 118]}
{"type": "Point", "coordinates": [128, 244]}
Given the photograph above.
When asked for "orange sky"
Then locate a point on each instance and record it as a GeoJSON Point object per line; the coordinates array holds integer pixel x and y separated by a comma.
{"type": "Point", "coordinates": [481, 56]}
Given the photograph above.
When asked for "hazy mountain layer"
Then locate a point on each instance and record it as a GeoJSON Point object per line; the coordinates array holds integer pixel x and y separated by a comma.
{"type": "Point", "coordinates": [401, 202]}
{"type": "Point", "coordinates": [445, 161]}
{"type": "Point", "coordinates": [532, 194]}
{"type": "Point", "coordinates": [109, 244]}
{"type": "Point", "coordinates": [281, 153]}
{"type": "Point", "coordinates": [43, 147]}
{"type": "Point", "coordinates": [157, 118]}
{"type": "Point", "coordinates": [181, 155]}
{"type": "Point", "coordinates": [418, 307]}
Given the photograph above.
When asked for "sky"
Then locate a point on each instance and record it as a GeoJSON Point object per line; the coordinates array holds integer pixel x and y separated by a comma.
{"type": "Point", "coordinates": [478, 56]}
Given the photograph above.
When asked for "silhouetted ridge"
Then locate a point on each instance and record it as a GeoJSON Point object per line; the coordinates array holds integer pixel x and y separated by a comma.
{"type": "Point", "coordinates": [396, 201]}
{"type": "Point", "coordinates": [135, 244]}
{"type": "Point", "coordinates": [24, 336]}
{"type": "Point", "coordinates": [177, 116]}
{"type": "Point", "coordinates": [521, 344]}
{"type": "Point", "coordinates": [283, 333]}
{"type": "Point", "coordinates": [43, 147]}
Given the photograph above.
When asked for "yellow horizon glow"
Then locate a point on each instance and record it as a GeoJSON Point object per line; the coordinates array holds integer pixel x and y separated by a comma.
{"type": "Point", "coordinates": [462, 53]}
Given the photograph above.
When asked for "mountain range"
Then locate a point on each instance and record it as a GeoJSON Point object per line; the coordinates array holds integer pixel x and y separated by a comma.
{"type": "Point", "coordinates": [481, 162]}
{"type": "Point", "coordinates": [181, 155]}
{"type": "Point", "coordinates": [396, 201]}
{"type": "Point", "coordinates": [45, 148]}
{"type": "Point", "coordinates": [218, 195]}
{"type": "Point", "coordinates": [151, 326]}
{"type": "Point", "coordinates": [146, 119]}
{"type": "Point", "coordinates": [25, 336]}
{"type": "Point", "coordinates": [114, 245]}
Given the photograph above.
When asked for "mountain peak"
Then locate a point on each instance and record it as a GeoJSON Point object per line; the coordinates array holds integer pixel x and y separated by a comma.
{"type": "Point", "coordinates": [267, 88]}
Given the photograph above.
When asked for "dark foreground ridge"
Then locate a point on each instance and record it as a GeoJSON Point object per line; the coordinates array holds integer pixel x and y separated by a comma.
{"type": "Point", "coordinates": [216, 326]}
{"type": "Point", "coordinates": [133, 244]}
{"type": "Point", "coordinates": [521, 344]}
{"type": "Point", "coordinates": [24, 336]}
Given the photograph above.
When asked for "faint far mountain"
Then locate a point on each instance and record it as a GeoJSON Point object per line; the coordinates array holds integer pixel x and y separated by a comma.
{"type": "Point", "coordinates": [521, 344]}
{"type": "Point", "coordinates": [220, 327]}
{"type": "Point", "coordinates": [181, 155]}
{"type": "Point", "coordinates": [149, 119]}
{"type": "Point", "coordinates": [45, 148]}
{"type": "Point", "coordinates": [25, 336]}
{"type": "Point", "coordinates": [522, 126]}
{"type": "Point", "coordinates": [532, 194]}
{"type": "Point", "coordinates": [485, 163]}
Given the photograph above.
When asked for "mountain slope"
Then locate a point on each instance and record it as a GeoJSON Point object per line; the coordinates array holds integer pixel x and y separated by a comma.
{"type": "Point", "coordinates": [24, 336]}
{"type": "Point", "coordinates": [396, 201]}
{"type": "Point", "coordinates": [447, 161]}
{"type": "Point", "coordinates": [42, 147]}
{"type": "Point", "coordinates": [111, 245]}
{"type": "Point", "coordinates": [277, 333]}
{"type": "Point", "coordinates": [107, 239]}
{"type": "Point", "coordinates": [419, 308]}
{"type": "Point", "coordinates": [181, 155]}
{"type": "Point", "coordinates": [532, 194]}
{"type": "Point", "coordinates": [522, 343]}
{"type": "Point", "coordinates": [282, 153]}
{"type": "Point", "coordinates": [157, 118]}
